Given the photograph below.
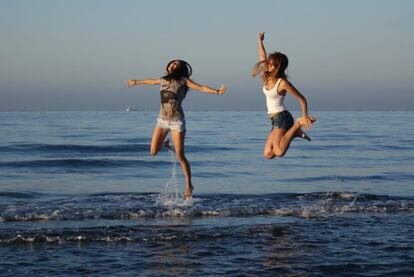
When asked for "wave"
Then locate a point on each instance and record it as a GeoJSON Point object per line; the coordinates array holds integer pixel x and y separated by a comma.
{"type": "Point", "coordinates": [101, 149]}
{"type": "Point", "coordinates": [349, 178]}
{"type": "Point", "coordinates": [21, 195]}
{"type": "Point", "coordinates": [76, 148]}
{"type": "Point", "coordinates": [82, 163]}
{"type": "Point", "coordinates": [129, 206]}
{"type": "Point", "coordinates": [122, 234]}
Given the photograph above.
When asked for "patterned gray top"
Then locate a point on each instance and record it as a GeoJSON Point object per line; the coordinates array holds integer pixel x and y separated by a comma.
{"type": "Point", "coordinates": [172, 93]}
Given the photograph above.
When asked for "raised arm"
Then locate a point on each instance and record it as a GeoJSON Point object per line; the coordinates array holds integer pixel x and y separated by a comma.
{"type": "Point", "coordinates": [132, 83]}
{"type": "Point", "coordinates": [193, 85]}
{"type": "Point", "coordinates": [262, 50]}
{"type": "Point", "coordinates": [288, 87]}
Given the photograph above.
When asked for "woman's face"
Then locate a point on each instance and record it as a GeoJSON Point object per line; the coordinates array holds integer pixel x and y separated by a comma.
{"type": "Point", "coordinates": [172, 66]}
{"type": "Point", "coordinates": [270, 66]}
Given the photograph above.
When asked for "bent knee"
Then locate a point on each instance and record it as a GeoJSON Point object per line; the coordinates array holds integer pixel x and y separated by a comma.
{"type": "Point", "coordinates": [279, 153]}
{"type": "Point", "coordinates": [269, 155]}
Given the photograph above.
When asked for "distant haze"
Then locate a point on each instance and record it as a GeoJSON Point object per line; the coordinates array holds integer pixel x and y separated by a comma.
{"type": "Point", "coordinates": [75, 55]}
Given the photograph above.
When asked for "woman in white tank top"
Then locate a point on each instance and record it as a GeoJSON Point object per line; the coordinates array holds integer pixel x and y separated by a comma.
{"type": "Point", "coordinates": [275, 87]}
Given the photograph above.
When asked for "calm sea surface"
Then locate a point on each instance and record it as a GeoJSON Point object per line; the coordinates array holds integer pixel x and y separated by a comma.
{"type": "Point", "coordinates": [80, 195]}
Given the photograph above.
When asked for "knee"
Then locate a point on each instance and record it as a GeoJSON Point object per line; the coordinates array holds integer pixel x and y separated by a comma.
{"type": "Point", "coordinates": [279, 153]}
{"type": "Point", "coordinates": [153, 152]}
{"type": "Point", "coordinates": [268, 155]}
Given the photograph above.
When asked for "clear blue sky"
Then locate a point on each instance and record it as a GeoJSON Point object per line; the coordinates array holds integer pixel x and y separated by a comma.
{"type": "Point", "coordinates": [75, 55]}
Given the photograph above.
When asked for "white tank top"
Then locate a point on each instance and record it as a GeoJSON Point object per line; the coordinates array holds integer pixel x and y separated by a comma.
{"type": "Point", "coordinates": [274, 101]}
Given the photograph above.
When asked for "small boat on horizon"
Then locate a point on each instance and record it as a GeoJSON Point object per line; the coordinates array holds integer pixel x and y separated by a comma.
{"type": "Point", "coordinates": [130, 109]}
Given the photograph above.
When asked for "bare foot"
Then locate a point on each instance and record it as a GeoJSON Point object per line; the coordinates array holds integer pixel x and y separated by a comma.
{"type": "Point", "coordinates": [301, 134]}
{"type": "Point", "coordinates": [188, 192]}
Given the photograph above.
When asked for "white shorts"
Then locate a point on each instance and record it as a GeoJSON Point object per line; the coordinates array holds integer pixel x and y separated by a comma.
{"type": "Point", "coordinates": [176, 125]}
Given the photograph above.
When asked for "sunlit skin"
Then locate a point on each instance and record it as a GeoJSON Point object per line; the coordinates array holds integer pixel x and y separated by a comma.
{"type": "Point", "coordinates": [278, 140]}
{"type": "Point", "coordinates": [159, 136]}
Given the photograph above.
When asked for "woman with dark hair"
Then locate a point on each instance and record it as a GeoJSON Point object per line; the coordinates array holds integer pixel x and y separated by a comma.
{"type": "Point", "coordinates": [174, 87]}
{"type": "Point", "coordinates": [275, 88]}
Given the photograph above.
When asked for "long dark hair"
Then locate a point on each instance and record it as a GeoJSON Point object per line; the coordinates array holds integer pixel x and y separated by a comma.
{"type": "Point", "coordinates": [182, 70]}
{"type": "Point", "coordinates": [279, 60]}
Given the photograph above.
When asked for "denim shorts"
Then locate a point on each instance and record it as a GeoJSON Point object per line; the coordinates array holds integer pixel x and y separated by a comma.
{"type": "Point", "coordinates": [283, 120]}
{"type": "Point", "coordinates": [172, 125]}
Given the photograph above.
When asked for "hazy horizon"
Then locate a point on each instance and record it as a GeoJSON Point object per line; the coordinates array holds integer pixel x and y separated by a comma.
{"type": "Point", "coordinates": [75, 56]}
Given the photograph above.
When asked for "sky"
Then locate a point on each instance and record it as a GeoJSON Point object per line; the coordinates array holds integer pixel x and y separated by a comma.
{"type": "Point", "coordinates": [75, 55]}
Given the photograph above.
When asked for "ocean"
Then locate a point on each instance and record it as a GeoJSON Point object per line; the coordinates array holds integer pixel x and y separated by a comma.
{"type": "Point", "coordinates": [80, 195]}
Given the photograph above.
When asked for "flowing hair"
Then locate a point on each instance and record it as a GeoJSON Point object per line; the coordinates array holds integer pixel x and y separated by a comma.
{"type": "Point", "coordinates": [183, 70]}
{"type": "Point", "coordinates": [280, 62]}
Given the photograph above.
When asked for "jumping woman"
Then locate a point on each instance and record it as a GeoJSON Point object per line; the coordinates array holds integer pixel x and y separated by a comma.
{"type": "Point", "coordinates": [174, 86]}
{"type": "Point", "coordinates": [275, 88]}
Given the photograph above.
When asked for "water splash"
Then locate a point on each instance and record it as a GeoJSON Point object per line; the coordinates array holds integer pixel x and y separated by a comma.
{"type": "Point", "coordinates": [170, 196]}
{"type": "Point", "coordinates": [171, 188]}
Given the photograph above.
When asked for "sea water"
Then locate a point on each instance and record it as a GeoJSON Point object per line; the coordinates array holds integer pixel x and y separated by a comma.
{"type": "Point", "coordinates": [80, 195]}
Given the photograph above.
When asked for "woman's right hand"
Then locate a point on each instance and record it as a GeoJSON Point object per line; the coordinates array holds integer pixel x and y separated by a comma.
{"type": "Point", "coordinates": [306, 122]}
{"type": "Point", "coordinates": [260, 37]}
{"type": "Point", "coordinates": [222, 89]}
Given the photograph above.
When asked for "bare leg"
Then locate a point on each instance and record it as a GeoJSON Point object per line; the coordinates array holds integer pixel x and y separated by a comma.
{"type": "Point", "coordinates": [268, 149]}
{"type": "Point", "coordinates": [158, 137]}
{"type": "Point", "coordinates": [275, 137]}
{"type": "Point", "coordinates": [282, 138]}
{"type": "Point", "coordinates": [178, 140]}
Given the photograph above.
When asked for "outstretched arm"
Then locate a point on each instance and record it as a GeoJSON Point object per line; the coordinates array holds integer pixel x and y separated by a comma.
{"type": "Point", "coordinates": [262, 50]}
{"type": "Point", "coordinates": [288, 87]}
{"type": "Point", "coordinates": [132, 83]}
{"type": "Point", "coordinates": [193, 85]}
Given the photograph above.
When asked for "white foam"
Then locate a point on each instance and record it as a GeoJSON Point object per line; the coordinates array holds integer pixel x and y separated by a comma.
{"type": "Point", "coordinates": [348, 196]}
